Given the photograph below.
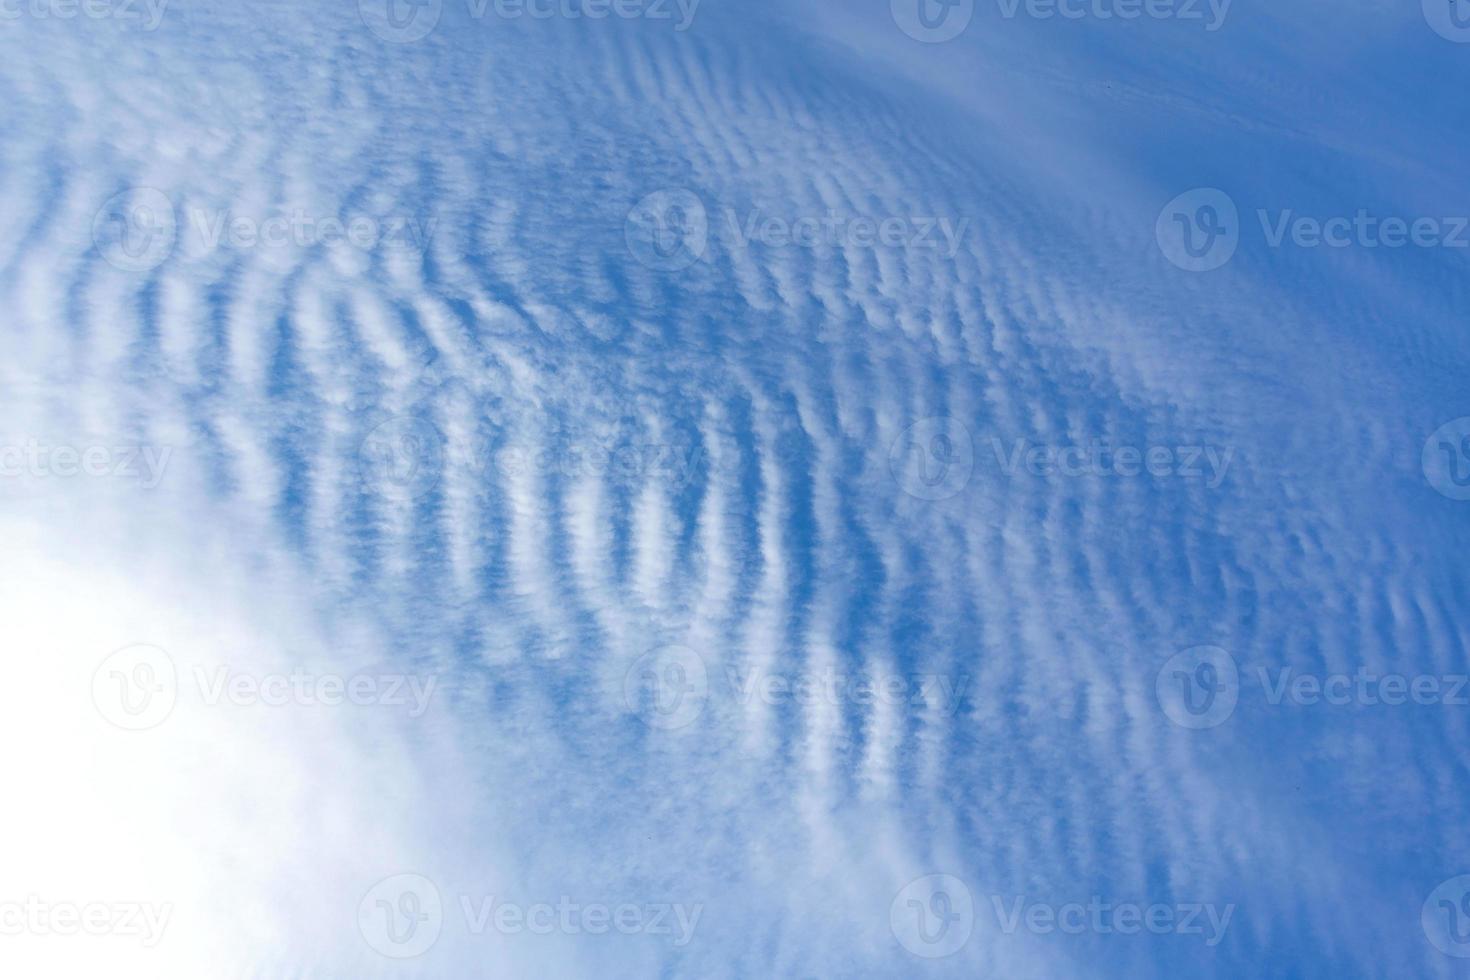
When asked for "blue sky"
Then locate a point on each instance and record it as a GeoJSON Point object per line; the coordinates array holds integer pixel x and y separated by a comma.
{"type": "Point", "coordinates": [735, 489]}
